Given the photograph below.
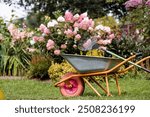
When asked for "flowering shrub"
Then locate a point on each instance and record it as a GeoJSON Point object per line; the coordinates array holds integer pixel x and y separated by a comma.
{"type": "Point", "coordinates": [70, 34]}
{"type": "Point", "coordinates": [133, 3]}
{"type": "Point", "coordinates": [18, 34]}
{"type": "Point", "coordinates": [134, 35]}
{"type": "Point", "coordinates": [14, 58]}
{"type": "Point", "coordinates": [136, 3]}
{"type": "Point", "coordinates": [138, 16]}
{"type": "Point", "coordinates": [126, 45]}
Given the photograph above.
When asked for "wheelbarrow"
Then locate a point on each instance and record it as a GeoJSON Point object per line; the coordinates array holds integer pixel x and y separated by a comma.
{"type": "Point", "coordinates": [73, 84]}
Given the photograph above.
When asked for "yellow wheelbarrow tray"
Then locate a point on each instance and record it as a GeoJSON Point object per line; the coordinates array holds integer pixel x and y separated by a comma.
{"type": "Point", "coordinates": [72, 84]}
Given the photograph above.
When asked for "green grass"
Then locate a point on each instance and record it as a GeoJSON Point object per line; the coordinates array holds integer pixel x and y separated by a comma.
{"type": "Point", "coordinates": [133, 88]}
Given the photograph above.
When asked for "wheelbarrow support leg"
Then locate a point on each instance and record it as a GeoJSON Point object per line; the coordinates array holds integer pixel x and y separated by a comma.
{"type": "Point", "coordinates": [92, 87]}
{"type": "Point", "coordinates": [118, 87]}
{"type": "Point", "coordinates": [99, 85]}
{"type": "Point", "coordinates": [107, 85]}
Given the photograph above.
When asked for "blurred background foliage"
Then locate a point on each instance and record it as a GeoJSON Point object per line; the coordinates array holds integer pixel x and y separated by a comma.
{"type": "Point", "coordinates": [131, 27]}
{"type": "Point", "coordinates": [95, 8]}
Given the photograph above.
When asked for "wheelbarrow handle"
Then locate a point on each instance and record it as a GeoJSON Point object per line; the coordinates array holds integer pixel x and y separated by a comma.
{"type": "Point", "coordinates": [138, 54]}
{"type": "Point", "coordinates": [147, 70]}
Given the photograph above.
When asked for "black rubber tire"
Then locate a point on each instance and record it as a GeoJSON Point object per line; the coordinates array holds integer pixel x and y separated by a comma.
{"type": "Point", "coordinates": [77, 88]}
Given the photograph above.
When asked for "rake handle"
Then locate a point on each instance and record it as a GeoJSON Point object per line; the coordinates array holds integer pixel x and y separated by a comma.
{"type": "Point", "coordinates": [147, 70]}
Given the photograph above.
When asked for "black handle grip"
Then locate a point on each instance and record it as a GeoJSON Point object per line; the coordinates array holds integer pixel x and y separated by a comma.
{"type": "Point", "coordinates": [147, 70]}
{"type": "Point", "coordinates": [139, 54]}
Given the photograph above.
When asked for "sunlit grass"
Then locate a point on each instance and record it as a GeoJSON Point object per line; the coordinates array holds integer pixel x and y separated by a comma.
{"type": "Point", "coordinates": [132, 87]}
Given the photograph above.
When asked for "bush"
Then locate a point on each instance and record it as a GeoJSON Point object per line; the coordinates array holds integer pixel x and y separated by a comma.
{"type": "Point", "coordinates": [39, 68]}
{"type": "Point", "coordinates": [56, 71]}
{"type": "Point", "coordinates": [129, 43]}
{"type": "Point", "coordinates": [95, 52]}
{"type": "Point", "coordinates": [14, 57]}
{"type": "Point", "coordinates": [137, 26]}
{"type": "Point", "coordinates": [70, 34]}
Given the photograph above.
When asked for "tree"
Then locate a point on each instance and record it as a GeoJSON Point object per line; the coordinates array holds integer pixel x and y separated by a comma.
{"type": "Point", "coordinates": [96, 8]}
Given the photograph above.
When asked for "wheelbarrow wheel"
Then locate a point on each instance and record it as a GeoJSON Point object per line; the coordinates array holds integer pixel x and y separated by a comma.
{"type": "Point", "coordinates": [72, 87]}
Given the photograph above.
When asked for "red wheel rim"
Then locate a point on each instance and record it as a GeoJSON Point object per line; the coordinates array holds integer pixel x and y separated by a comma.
{"type": "Point", "coordinates": [73, 88]}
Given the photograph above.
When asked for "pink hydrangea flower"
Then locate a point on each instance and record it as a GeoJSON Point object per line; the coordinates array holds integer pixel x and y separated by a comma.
{"type": "Point", "coordinates": [76, 17]}
{"type": "Point", "coordinates": [107, 29]}
{"type": "Point", "coordinates": [35, 38]}
{"type": "Point", "coordinates": [82, 16]}
{"type": "Point", "coordinates": [74, 46]}
{"type": "Point", "coordinates": [63, 46]}
{"type": "Point", "coordinates": [86, 23]}
{"type": "Point", "coordinates": [46, 31]}
{"type": "Point", "coordinates": [16, 33]}
{"type": "Point", "coordinates": [76, 29]}
{"type": "Point", "coordinates": [104, 42]}
{"type": "Point", "coordinates": [30, 34]}
{"type": "Point", "coordinates": [100, 42]}
{"type": "Point", "coordinates": [22, 35]}
{"type": "Point", "coordinates": [50, 44]}
{"type": "Point", "coordinates": [38, 39]}
{"type": "Point", "coordinates": [76, 24]}
{"type": "Point", "coordinates": [78, 37]}
{"type": "Point", "coordinates": [68, 16]}
{"type": "Point", "coordinates": [11, 27]}
{"type": "Point", "coordinates": [57, 52]}
{"type": "Point", "coordinates": [74, 32]}
{"type": "Point", "coordinates": [102, 48]}
{"type": "Point", "coordinates": [111, 36]}
{"type": "Point", "coordinates": [148, 3]}
{"type": "Point", "coordinates": [41, 39]}
{"type": "Point", "coordinates": [103, 28]}
{"type": "Point", "coordinates": [133, 3]}
{"type": "Point", "coordinates": [87, 43]}
{"type": "Point", "coordinates": [42, 27]}
{"type": "Point", "coordinates": [90, 29]}
{"type": "Point", "coordinates": [69, 33]}
{"type": "Point", "coordinates": [91, 23]}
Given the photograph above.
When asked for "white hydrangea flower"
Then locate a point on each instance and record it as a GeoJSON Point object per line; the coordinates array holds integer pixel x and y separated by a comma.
{"type": "Point", "coordinates": [90, 29]}
{"type": "Point", "coordinates": [86, 19]}
{"type": "Point", "coordinates": [59, 32]}
{"type": "Point", "coordinates": [61, 19]}
{"type": "Point", "coordinates": [52, 23]}
{"type": "Point", "coordinates": [76, 16]}
{"type": "Point", "coordinates": [76, 29]}
{"type": "Point", "coordinates": [99, 27]}
{"type": "Point", "coordinates": [55, 22]}
{"type": "Point", "coordinates": [32, 42]}
{"type": "Point", "coordinates": [107, 29]}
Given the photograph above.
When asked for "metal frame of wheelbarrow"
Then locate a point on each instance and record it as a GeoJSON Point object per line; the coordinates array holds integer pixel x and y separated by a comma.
{"type": "Point", "coordinates": [105, 74]}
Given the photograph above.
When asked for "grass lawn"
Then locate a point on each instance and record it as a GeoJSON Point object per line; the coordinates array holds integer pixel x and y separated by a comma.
{"type": "Point", "coordinates": [133, 88]}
